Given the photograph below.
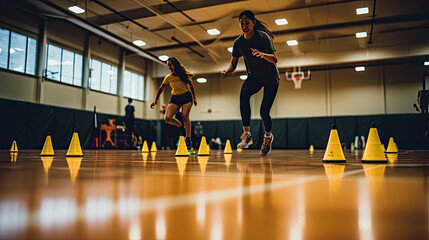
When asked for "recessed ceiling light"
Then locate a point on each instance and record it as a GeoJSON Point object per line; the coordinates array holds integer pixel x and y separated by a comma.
{"type": "Point", "coordinates": [76, 9]}
{"type": "Point", "coordinates": [427, 63]}
{"type": "Point", "coordinates": [163, 58]}
{"type": "Point", "coordinates": [360, 11]}
{"type": "Point", "coordinates": [139, 43]}
{"type": "Point", "coordinates": [243, 77]}
{"type": "Point", "coordinates": [230, 49]}
{"type": "Point", "coordinates": [360, 69]}
{"type": "Point", "coordinates": [201, 80]}
{"type": "Point", "coordinates": [292, 42]}
{"type": "Point", "coordinates": [361, 34]}
{"type": "Point", "coordinates": [213, 31]}
{"type": "Point", "coordinates": [281, 21]}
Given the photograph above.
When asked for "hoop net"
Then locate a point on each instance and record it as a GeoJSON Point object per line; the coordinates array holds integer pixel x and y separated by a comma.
{"type": "Point", "coordinates": [297, 79]}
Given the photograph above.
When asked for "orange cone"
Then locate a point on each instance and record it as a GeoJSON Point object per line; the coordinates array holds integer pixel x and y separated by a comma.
{"type": "Point", "coordinates": [334, 151]}
{"type": "Point", "coordinates": [153, 148]}
{"type": "Point", "coordinates": [228, 149]}
{"type": "Point", "coordinates": [391, 147]}
{"type": "Point", "coordinates": [204, 148]}
{"type": "Point", "coordinates": [373, 151]}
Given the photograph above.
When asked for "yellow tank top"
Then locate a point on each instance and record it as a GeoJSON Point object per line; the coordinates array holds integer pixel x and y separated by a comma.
{"type": "Point", "coordinates": [178, 87]}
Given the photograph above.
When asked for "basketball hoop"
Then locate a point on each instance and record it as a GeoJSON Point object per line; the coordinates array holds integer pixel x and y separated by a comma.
{"type": "Point", "coordinates": [297, 76]}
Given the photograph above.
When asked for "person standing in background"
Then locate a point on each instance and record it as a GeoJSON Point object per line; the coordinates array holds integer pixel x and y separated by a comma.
{"type": "Point", "coordinates": [129, 123]}
{"type": "Point", "coordinates": [198, 131]}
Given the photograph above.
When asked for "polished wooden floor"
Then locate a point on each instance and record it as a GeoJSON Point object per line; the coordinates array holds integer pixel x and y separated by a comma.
{"type": "Point", "coordinates": [112, 194]}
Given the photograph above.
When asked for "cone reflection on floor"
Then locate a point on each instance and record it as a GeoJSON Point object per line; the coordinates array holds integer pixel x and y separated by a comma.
{"type": "Point", "coordinates": [74, 149]}
{"type": "Point", "coordinates": [204, 148]}
{"type": "Point", "coordinates": [153, 147]}
{"type": "Point", "coordinates": [228, 158]}
{"type": "Point", "coordinates": [14, 147]}
{"type": "Point", "coordinates": [145, 155]}
{"type": "Point", "coordinates": [228, 149]}
{"type": "Point", "coordinates": [181, 164]}
{"type": "Point", "coordinates": [375, 174]}
{"type": "Point", "coordinates": [334, 172]}
{"type": "Point", "coordinates": [334, 151]}
{"type": "Point", "coordinates": [47, 163]}
{"type": "Point", "coordinates": [48, 149]}
{"type": "Point", "coordinates": [182, 150]}
{"type": "Point", "coordinates": [13, 156]}
{"type": "Point", "coordinates": [373, 152]}
{"type": "Point", "coordinates": [145, 148]}
{"type": "Point", "coordinates": [392, 157]}
{"type": "Point", "coordinates": [153, 155]}
{"type": "Point", "coordinates": [202, 160]}
{"type": "Point", "coordinates": [311, 149]}
{"type": "Point", "coordinates": [74, 166]}
{"type": "Point", "coordinates": [392, 148]}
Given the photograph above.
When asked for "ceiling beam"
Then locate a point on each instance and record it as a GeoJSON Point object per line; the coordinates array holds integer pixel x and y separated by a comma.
{"type": "Point", "coordinates": [163, 8]}
{"type": "Point", "coordinates": [382, 20]}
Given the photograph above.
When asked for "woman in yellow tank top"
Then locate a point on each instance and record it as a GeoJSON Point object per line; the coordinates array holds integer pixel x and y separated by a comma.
{"type": "Point", "coordinates": [183, 95]}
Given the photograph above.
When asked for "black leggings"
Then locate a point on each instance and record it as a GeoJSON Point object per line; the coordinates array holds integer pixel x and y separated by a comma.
{"type": "Point", "coordinates": [250, 87]}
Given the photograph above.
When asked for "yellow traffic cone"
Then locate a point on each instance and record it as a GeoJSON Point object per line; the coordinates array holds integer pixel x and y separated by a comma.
{"type": "Point", "coordinates": [182, 150]}
{"type": "Point", "coordinates": [74, 149]}
{"type": "Point", "coordinates": [145, 148]}
{"type": "Point", "coordinates": [74, 166]}
{"type": "Point", "coordinates": [14, 147]}
{"type": "Point", "coordinates": [47, 150]}
{"type": "Point", "coordinates": [204, 148]}
{"type": "Point", "coordinates": [311, 149]}
{"type": "Point", "coordinates": [334, 151]}
{"type": "Point", "coordinates": [391, 148]}
{"type": "Point", "coordinates": [373, 152]}
{"type": "Point", "coordinates": [153, 147]}
{"type": "Point", "coordinates": [13, 156]}
{"type": "Point", "coordinates": [181, 164]}
{"type": "Point", "coordinates": [228, 149]}
{"type": "Point", "coordinates": [202, 160]}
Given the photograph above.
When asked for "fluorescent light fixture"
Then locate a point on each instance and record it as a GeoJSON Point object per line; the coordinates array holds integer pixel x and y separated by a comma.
{"type": "Point", "coordinates": [281, 21]}
{"type": "Point", "coordinates": [19, 49]}
{"type": "Point", "coordinates": [12, 51]}
{"type": "Point", "coordinates": [243, 77]}
{"type": "Point", "coordinates": [201, 80]}
{"type": "Point", "coordinates": [292, 42]}
{"type": "Point", "coordinates": [230, 49]}
{"type": "Point", "coordinates": [361, 35]}
{"type": "Point", "coordinates": [427, 63]}
{"type": "Point", "coordinates": [163, 58]}
{"type": "Point", "coordinates": [213, 31]}
{"type": "Point", "coordinates": [1, 50]}
{"type": "Point", "coordinates": [19, 69]}
{"type": "Point", "coordinates": [360, 11]}
{"type": "Point", "coordinates": [360, 69]}
{"type": "Point", "coordinates": [76, 9]}
{"type": "Point", "coordinates": [139, 43]}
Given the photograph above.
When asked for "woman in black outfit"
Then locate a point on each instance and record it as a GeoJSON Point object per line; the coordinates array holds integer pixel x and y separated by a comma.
{"type": "Point", "coordinates": [256, 46]}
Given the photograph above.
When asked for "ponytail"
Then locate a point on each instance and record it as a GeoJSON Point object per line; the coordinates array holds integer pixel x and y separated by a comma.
{"type": "Point", "coordinates": [259, 25]}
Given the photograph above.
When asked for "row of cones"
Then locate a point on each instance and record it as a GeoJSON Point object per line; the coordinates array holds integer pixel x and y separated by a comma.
{"type": "Point", "coordinates": [374, 151]}
{"type": "Point", "coordinates": [145, 148]}
{"type": "Point", "coordinates": [74, 150]}
{"type": "Point", "coordinates": [204, 149]}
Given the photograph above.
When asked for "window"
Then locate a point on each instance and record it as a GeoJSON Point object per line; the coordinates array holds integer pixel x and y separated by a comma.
{"type": "Point", "coordinates": [133, 85]}
{"type": "Point", "coordinates": [104, 77]}
{"type": "Point", "coordinates": [63, 65]}
{"type": "Point", "coordinates": [17, 52]}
